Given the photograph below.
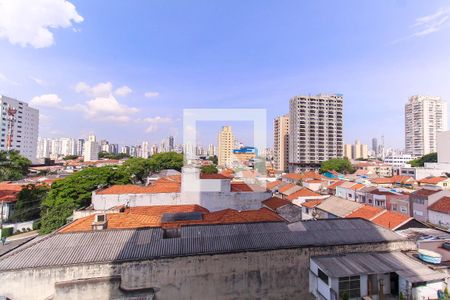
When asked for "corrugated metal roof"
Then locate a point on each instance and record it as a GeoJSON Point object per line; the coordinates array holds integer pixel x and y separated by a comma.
{"type": "Point", "coordinates": [140, 244]}
{"type": "Point", "coordinates": [376, 263]}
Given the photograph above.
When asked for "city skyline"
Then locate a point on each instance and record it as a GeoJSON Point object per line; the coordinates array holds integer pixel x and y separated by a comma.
{"type": "Point", "coordinates": [118, 90]}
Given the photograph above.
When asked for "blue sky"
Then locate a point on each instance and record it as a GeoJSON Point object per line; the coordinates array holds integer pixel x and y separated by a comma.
{"type": "Point", "coordinates": [227, 54]}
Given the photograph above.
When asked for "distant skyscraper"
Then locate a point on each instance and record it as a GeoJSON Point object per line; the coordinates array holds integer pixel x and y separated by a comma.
{"type": "Point", "coordinates": [44, 147]}
{"type": "Point", "coordinates": [424, 117]}
{"type": "Point", "coordinates": [125, 150]}
{"type": "Point", "coordinates": [133, 152]}
{"type": "Point", "coordinates": [171, 143]}
{"type": "Point", "coordinates": [154, 149]}
{"type": "Point", "coordinates": [281, 142]}
{"type": "Point", "coordinates": [145, 150]}
{"type": "Point", "coordinates": [211, 150]}
{"type": "Point", "coordinates": [315, 130]}
{"type": "Point", "coordinates": [356, 150]}
{"type": "Point", "coordinates": [226, 144]}
{"type": "Point", "coordinates": [91, 148]}
{"type": "Point", "coordinates": [23, 135]}
{"type": "Point", "coordinates": [375, 146]}
{"type": "Point", "coordinates": [80, 147]}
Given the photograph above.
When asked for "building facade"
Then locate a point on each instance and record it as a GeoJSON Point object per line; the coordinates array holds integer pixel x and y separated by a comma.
{"type": "Point", "coordinates": [281, 142]}
{"type": "Point", "coordinates": [91, 149]}
{"type": "Point", "coordinates": [25, 127]}
{"type": "Point", "coordinates": [424, 117]}
{"type": "Point", "coordinates": [315, 130]}
{"type": "Point", "coordinates": [226, 144]}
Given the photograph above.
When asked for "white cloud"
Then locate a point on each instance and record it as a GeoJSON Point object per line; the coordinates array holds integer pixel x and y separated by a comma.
{"type": "Point", "coordinates": [155, 122]}
{"type": "Point", "coordinates": [151, 94]}
{"type": "Point", "coordinates": [429, 24]}
{"type": "Point", "coordinates": [25, 22]}
{"type": "Point", "coordinates": [123, 91]}
{"type": "Point", "coordinates": [48, 100]}
{"type": "Point", "coordinates": [103, 106]}
{"type": "Point", "coordinates": [37, 80]}
{"type": "Point", "coordinates": [5, 79]}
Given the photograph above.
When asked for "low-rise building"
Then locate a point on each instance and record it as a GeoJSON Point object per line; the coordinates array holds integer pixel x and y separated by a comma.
{"type": "Point", "coordinates": [421, 199]}
{"type": "Point", "coordinates": [439, 213]}
{"type": "Point", "coordinates": [442, 182]}
{"type": "Point", "coordinates": [265, 260]}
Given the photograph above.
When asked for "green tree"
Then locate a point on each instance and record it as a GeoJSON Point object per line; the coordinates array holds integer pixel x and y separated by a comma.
{"type": "Point", "coordinates": [341, 165]}
{"type": "Point", "coordinates": [214, 159]}
{"type": "Point", "coordinates": [28, 205]}
{"type": "Point", "coordinates": [210, 169]}
{"type": "Point", "coordinates": [137, 168]}
{"type": "Point", "coordinates": [74, 192]}
{"type": "Point", "coordinates": [13, 166]}
{"type": "Point", "coordinates": [166, 160]}
{"type": "Point", "coordinates": [420, 162]}
{"type": "Point", "coordinates": [107, 155]}
{"type": "Point", "coordinates": [70, 157]}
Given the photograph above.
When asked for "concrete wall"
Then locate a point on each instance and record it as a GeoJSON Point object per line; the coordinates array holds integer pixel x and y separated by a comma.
{"type": "Point", "coordinates": [278, 274]}
{"type": "Point", "coordinates": [439, 218]}
{"type": "Point", "coordinates": [213, 201]}
{"type": "Point", "coordinates": [443, 146]}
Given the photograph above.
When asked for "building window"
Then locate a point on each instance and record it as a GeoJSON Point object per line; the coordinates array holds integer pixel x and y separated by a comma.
{"type": "Point", "coordinates": [323, 276]}
{"type": "Point", "coordinates": [350, 286]}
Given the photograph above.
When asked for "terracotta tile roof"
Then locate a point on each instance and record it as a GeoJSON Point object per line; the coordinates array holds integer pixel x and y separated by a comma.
{"type": "Point", "coordinates": [433, 180]}
{"type": "Point", "coordinates": [170, 178]}
{"type": "Point", "coordinates": [228, 173]}
{"type": "Point", "coordinates": [312, 203]}
{"type": "Point", "coordinates": [273, 184]}
{"type": "Point", "coordinates": [9, 191]}
{"type": "Point", "coordinates": [391, 219]}
{"type": "Point", "coordinates": [275, 202]}
{"type": "Point", "coordinates": [402, 179]}
{"type": "Point", "coordinates": [240, 187]}
{"type": "Point", "coordinates": [213, 176]}
{"type": "Point", "coordinates": [313, 181]}
{"type": "Point", "coordinates": [335, 184]}
{"type": "Point", "coordinates": [367, 212]}
{"type": "Point", "coordinates": [303, 192]}
{"type": "Point", "coordinates": [293, 176]}
{"type": "Point", "coordinates": [151, 216]}
{"type": "Point", "coordinates": [442, 205]}
{"type": "Point", "coordinates": [425, 192]}
{"type": "Point", "coordinates": [286, 187]}
{"type": "Point", "coordinates": [357, 186]}
{"type": "Point", "coordinates": [381, 180]}
{"type": "Point", "coordinates": [302, 176]}
{"type": "Point", "coordinates": [157, 187]}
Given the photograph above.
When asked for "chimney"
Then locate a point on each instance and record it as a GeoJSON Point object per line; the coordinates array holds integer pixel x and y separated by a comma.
{"type": "Point", "coordinates": [100, 222]}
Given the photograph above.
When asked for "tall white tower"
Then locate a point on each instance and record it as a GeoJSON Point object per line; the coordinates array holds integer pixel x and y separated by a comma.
{"type": "Point", "coordinates": [424, 117]}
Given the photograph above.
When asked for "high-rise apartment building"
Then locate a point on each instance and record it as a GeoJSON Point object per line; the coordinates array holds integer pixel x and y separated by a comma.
{"type": "Point", "coordinates": [80, 147]}
{"type": "Point", "coordinates": [356, 151]}
{"type": "Point", "coordinates": [375, 147]}
{"type": "Point", "coordinates": [24, 130]}
{"type": "Point", "coordinates": [315, 130]}
{"type": "Point", "coordinates": [145, 149]}
{"type": "Point", "coordinates": [91, 149]}
{"type": "Point", "coordinates": [225, 146]}
{"type": "Point", "coordinates": [43, 148]}
{"type": "Point", "coordinates": [424, 117]}
{"type": "Point", "coordinates": [171, 143]}
{"type": "Point", "coordinates": [281, 142]}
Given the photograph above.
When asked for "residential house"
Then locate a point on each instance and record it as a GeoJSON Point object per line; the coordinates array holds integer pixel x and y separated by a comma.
{"type": "Point", "coordinates": [284, 208]}
{"type": "Point", "coordinates": [421, 199]}
{"type": "Point", "coordinates": [442, 182]}
{"type": "Point", "coordinates": [335, 207]}
{"type": "Point", "coordinates": [347, 190]}
{"type": "Point", "coordinates": [439, 213]}
{"type": "Point", "coordinates": [309, 209]}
